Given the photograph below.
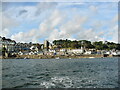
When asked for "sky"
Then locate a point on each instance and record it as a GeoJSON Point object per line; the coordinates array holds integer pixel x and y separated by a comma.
{"type": "Point", "coordinates": [39, 21]}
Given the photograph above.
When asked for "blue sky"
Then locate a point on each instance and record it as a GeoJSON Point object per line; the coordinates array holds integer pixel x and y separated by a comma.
{"type": "Point", "coordinates": [39, 21]}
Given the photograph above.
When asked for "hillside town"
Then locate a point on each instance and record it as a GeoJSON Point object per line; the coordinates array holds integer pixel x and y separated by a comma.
{"type": "Point", "coordinates": [11, 49]}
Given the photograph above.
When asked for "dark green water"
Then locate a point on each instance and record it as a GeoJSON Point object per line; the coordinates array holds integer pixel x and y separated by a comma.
{"type": "Point", "coordinates": [60, 73]}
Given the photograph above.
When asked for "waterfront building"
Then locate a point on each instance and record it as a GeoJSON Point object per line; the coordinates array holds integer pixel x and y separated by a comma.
{"type": "Point", "coordinates": [88, 52]}
{"type": "Point", "coordinates": [8, 45]}
{"type": "Point", "coordinates": [22, 47]}
{"type": "Point", "coordinates": [76, 51]}
{"type": "Point", "coordinates": [52, 50]}
{"type": "Point", "coordinates": [34, 48]}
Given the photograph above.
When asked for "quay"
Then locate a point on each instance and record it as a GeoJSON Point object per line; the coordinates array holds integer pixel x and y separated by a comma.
{"type": "Point", "coordinates": [56, 56]}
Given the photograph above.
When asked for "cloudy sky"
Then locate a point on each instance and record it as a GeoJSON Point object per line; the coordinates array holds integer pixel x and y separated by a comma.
{"type": "Point", "coordinates": [39, 21]}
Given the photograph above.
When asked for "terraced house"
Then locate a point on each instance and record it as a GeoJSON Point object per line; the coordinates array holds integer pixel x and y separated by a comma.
{"type": "Point", "coordinates": [7, 46]}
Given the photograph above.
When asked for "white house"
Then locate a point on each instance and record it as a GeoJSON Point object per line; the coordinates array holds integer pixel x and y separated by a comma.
{"type": "Point", "coordinates": [114, 53]}
{"type": "Point", "coordinates": [34, 48]}
{"type": "Point", "coordinates": [31, 53]}
{"type": "Point", "coordinates": [88, 52]}
{"type": "Point", "coordinates": [20, 53]}
{"type": "Point", "coordinates": [76, 51]}
{"type": "Point", "coordinates": [62, 50]}
{"type": "Point", "coordinates": [118, 53]}
{"type": "Point", "coordinates": [52, 50]}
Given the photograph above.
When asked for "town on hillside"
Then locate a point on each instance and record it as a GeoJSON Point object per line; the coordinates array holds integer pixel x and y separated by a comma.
{"type": "Point", "coordinates": [58, 49]}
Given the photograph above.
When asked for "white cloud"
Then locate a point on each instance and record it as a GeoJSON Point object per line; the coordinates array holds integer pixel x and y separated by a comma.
{"type": "Point", "coordinates": [112, 31]}
{"type": "Point", "coordinates": [90, 35]}
{"type": "Point", "coordinates": [26, 36]}
{"type": "Point", "coordinates": [56, 18]}
{"type": "Point", "coordinates": [115, 18]}
{"type": "Point", "coordinates": [93, 8]}
{"type": "Point", "coordinates": [18, 36]}
{"type": "Point", "coordinates": [51, 22]}
{"type": "Point", "coordinates": [45, 29]}
{"type": "Point", "coordinates": [42, 6]}
{"type": "Point", "coordinates": [59, 24]}
{"type": "Point", "coordinates": [54, 35]}
{"type": "Point", "coordinates": [5, 32]}
{"type": "Point", "coordinates": [48, 25]}
{"type": "Point", "coordinates": [61, 0]}
{"type": "Point", "coordinates": [53, 28]}
{"type": "Point", "coordinates": [114, 34]}
{"type": "Point", "coordinates": [28, 12]}
{"type": "Point", "coordinates": [68, 29]}
{"type": "Point", "coordinates": [73, 25]}
{"type": "Point", "coordinates": [14, 16]}
{"type": "Point", "coordinates": [8, 22]}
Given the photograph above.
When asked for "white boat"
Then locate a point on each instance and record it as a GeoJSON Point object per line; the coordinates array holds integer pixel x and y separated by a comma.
{"type": "Point", "coordinates": [91, 57]}
{"type": "Point", "coordinates": [57, 58]}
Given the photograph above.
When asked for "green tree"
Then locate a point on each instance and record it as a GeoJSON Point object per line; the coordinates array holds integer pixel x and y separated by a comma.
{"type": "Point", "coordinates": [98, 45]}
{"type": "Point", "coordinates": [105, 46]}
{"type": "Point", "coordinates": [74, 44]}
{"type": "Point", "coordinates": [118, 46]}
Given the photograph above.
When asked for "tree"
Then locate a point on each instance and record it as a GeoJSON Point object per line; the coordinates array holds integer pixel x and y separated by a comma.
{"type": "Point", "coordinates": [86, 44]}
{"type": "Point", "coordinates": [118, 47]}
{"type": "Point", "coordinates": [111, 45]}
{"type": "Point", "coordinates": [98, 45]}
{"type": "Point", "coordinates": [74, 44]}
{"type": "Point", "coordinates": [104, 46]}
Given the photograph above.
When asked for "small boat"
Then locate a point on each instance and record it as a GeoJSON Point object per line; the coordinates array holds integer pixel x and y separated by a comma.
{"type": "Point", "coordinates": [57, 58]}
{"type": "Point", "coordinates": [91, 57]}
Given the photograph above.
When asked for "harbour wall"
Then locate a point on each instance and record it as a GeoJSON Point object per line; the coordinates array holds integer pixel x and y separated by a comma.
{"type": "Point", "coordinates": [60, 56]}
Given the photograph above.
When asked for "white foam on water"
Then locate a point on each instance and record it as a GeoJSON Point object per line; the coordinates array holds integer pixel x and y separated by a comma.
{"type": "Point", "coordinates": [47, 84]}
{"type": "Point", "coordinates": [56, 81]}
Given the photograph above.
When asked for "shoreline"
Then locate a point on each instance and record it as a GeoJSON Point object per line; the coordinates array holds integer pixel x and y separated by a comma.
{"type": "Point", "coordinates": [56, 56]}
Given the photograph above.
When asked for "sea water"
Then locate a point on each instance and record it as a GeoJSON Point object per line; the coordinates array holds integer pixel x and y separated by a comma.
{"type": "Point", "coordinates": [60, 73]}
